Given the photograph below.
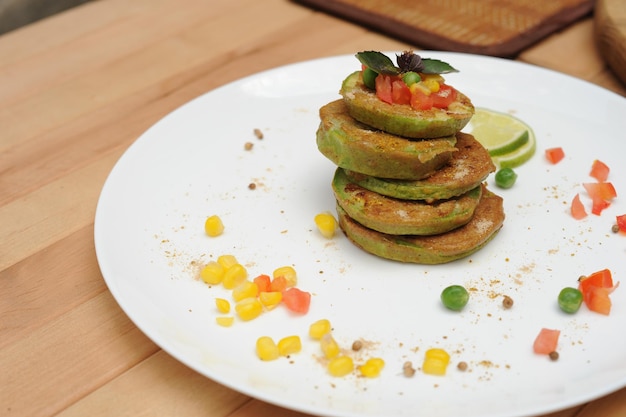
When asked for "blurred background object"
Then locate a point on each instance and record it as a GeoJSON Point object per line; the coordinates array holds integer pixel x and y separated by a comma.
{"type": "Point", "coordinates": [610, 34]}
{"type": "Point", "coordinates": [488, 27]}
{"type": "Point", "coordinates": [17, 13]}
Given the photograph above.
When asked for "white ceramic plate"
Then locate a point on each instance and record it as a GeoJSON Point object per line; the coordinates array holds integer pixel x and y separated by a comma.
{"type": "Point", "coordinates": [150, 241]}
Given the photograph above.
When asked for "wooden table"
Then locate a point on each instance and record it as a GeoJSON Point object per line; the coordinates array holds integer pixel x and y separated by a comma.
{"type": "Point", "coordinates": [77, 89]}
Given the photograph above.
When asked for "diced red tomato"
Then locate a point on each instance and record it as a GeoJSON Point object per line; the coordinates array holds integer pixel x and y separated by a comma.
{"type": "Point", "coordinates": [601, 194]}
{"type": "Point", "coordinates": [597, 299]}
{"type": "Point", "coordinates": [444, 97]}
{"type": "Point", "coordinates": [297, 300]}
{"type": "Point", "coordinates": [392, 89]}
{"type": "Point", "coordinates": [600, 190]}
{"type": "Point", "coordinates": [546, 341]}
{"type": "Point", "coordinates": [621, 222]}
{"type": "Point", "coordinates": [555, 155]}
{"type": "Point", "coordinates": [602, 279]}
{"type": "Point", "coordinates": [577, 208]}
{"type": "Point", "coordinates": [599, 205]}
{"type": "Point", "coordinates": [596, 289]}
{"type": "Point", "coordinates": [263, 282]}
{"type": "Point", "coordinates": [400, 92]}
{"type": "Point", "coordinates": [383, 88]}
{"type": "Point", "coordinates": [278, 284]}
{"type": "Point", "coordinates": [599, 171]}
{"type": "Point", "coordinates": [421, 100]}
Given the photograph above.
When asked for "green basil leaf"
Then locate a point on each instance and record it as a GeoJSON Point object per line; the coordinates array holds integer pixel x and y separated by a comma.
{"type": "Point", "coordinates": [435, 66]}
{"type": "Point", "coordinates": [378, 62]}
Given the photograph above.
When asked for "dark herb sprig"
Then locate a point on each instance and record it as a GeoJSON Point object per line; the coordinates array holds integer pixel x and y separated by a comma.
{"type": "Point", "coordinates": [408, 61]}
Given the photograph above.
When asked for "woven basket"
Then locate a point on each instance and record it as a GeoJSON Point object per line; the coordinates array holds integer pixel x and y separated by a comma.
{"type": "Point", "coordinates": [488, 27]}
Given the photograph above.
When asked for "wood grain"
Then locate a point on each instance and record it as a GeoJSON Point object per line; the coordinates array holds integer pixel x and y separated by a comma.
{"type": "Point", "coordinates": [31, 299]}
{"type": "Point", "coordinates": [63, 360]}
{"type": "Point", "coordinates": [167, 388]}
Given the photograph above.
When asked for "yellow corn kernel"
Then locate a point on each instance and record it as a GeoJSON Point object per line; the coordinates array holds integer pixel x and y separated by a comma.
{"type": "Point", "coordinates": [245, 289]}
{"type": "Point", "coordinates": [326, 224]}
{"type": "Point", "coordinates": [289, 273]}
{"type": "Point", "coordinates": [420, 86]}
{"type": "Point", "coordinates": [341, 366]}
{"type": "Point", "coordinates": [435, 361]}
{"type": "Point", "coordinates": [329, 346]}
{"type": "Point", "coordinates": [223, 306]}
{"type": "Point", "coordinates": [437, 353]}
{"type": "Point", "coordinates": [266, 349]}
{"type": "Point", "coordinates": [234, 275]}
{"type": "Point", "coordinates": [213, 226]}
{"type": "Point", "coordinates": [225, 321]}
{"type": "Point", "coordinates": [433, 77]}
{"type": "Point", "coordinates": [372, 367]}
{"type": "Point", "coordinates": [212, 273]}
{"type": "Point", "coordinates": [319, 329]}
{"type": "Point", "coordinates": [289, 345]}
{"type": "Point", "coordinates": [270, 299]}
{"type": "Point", "coordinates": [431, 84]}
{"type": "Point", "coordinates": [227, 261]}
{"type": "Point", "coordinates": [249, 308]}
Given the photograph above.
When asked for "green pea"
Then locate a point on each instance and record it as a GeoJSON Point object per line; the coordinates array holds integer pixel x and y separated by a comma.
{"type": "Point", "coordinates": [570, 299]}
{"type": "Point", "coordinates": [505, 178]}
{"type": "Point", "coordinates": [369, 78]}
{"type": "Point", "coordinates": [454, 297]}
{"type": "Point", "coordinates": [411, 78]}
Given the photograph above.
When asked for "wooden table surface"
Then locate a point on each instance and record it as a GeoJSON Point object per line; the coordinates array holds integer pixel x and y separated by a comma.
{"type": "Point", "coordinates": [76, 90]}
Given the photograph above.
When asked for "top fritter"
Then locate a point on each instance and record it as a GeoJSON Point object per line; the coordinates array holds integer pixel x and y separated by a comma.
{"type": "Point", "coordinates": [410, 100]}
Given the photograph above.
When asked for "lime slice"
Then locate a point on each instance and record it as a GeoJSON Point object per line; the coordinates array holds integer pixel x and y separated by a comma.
{"type": "Point", "coordinates": [518, 156]}
{"type": "Point", "coordinates": [499, 133]}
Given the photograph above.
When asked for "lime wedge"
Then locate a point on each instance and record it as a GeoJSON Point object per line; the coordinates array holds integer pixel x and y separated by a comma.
{"type": "Point", "coordinates": [518, 156]}
{"type": "Point", "coordinates": [499, 133]}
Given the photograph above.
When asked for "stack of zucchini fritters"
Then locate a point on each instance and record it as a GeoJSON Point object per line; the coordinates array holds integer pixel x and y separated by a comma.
{"type": "Point", "coordinates": [409, 185]}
